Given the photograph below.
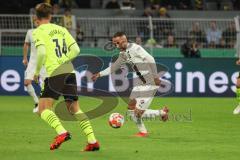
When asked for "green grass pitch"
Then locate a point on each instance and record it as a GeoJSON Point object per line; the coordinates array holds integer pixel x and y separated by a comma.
{"type": "Point", "coordinates": [212, 132]}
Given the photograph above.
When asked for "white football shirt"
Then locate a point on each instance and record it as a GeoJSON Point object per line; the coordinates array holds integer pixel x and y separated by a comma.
{"type": "Point", "coordinates": [134, 55]}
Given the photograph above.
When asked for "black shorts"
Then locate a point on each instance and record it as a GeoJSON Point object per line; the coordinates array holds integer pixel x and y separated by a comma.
{"type": "Point", "coordinates": [238, 75]}
{"type": "Point", "coordinates": [60, 85]}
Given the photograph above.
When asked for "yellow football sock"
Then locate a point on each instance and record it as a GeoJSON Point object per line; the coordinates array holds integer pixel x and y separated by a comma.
{"type": "Point", "coordinates": [86, 127]}
{"type": "Point", "coordinates": [238, 95]}
{"type": "Point", "coordinates": [51, 118]}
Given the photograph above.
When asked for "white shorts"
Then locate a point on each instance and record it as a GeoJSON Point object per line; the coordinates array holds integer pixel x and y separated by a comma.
{"type": "Point", "coordinates": [30, 71]}
{"type": "Point", "coordinates": [143, 95]}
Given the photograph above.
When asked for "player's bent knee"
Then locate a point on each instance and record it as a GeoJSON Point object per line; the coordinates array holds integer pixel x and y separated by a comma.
{"type": "Point", "coordinates": [72, 106]}
{"type": "Point", "coordinates": [41, 108]}
{"type": "Point", "coordinates": [131, 107]}
{"type": "Point", "coordinates": [238, 83]}
{"type": "Point", "coordinates": [27, 82]}
{"type": "Point", "coordinates": [45, 103]}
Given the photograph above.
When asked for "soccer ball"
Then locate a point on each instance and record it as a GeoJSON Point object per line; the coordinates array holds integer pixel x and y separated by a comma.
{"type": "Point", "coordinates": [116, 120]}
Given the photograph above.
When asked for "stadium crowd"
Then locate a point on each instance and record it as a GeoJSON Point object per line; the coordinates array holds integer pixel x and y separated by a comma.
{"type": "Point", "coordinates": [13, 6]}
{"type": "Point", "coordinates": [164, 30]}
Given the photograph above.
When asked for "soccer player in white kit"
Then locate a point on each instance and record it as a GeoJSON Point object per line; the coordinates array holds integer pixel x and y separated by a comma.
{"type": "Point", "coordinates": [144, 90]}
{"type": "Point", "coordinates": [31, 67]}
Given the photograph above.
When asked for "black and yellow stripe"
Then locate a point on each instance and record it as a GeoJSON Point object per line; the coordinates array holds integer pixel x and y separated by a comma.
{"type": "Point", "coordinates": [51, 118]}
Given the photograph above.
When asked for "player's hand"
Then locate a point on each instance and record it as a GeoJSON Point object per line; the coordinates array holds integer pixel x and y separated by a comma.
{"type": "Point", "coordinates": [138, 112]}
{"type": "Point", "coordinates": [157, 81]}
{"type": "Point", "coordinates": [95, 76]}
{"type": "Point", "coordinates": [238, 62]}
{"type": "Point", "coordinates": [36, 78]}
{"type": "Point", "coordinates": [25, 62]}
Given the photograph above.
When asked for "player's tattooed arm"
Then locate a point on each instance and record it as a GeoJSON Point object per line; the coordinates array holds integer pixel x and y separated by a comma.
{"type": "Point", "coordinates": [114, 66]}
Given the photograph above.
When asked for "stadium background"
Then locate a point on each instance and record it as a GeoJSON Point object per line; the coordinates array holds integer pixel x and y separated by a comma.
{"type": "Point", "coordinates": [199, 128]}
{"type": "Point", "coordinates": [163, 33]}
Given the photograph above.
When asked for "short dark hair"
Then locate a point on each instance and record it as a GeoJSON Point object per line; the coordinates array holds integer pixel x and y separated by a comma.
{"type": "Point", "coordinates": [119, 34]}
{"type": "Point", "coordinates": [43, 10]}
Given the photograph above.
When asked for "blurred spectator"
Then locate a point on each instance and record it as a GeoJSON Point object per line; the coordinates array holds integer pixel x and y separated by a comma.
{"type": "Point", "coordinates": [56, 9]}
{"type": "Point", "coordinates": [198, 4]}
{"type": "Point", "coordinates": [128, 4]}
{"type": "Point", "coordinates": [226, 6]}
{"type": "Point", "coordinates": [68, 18]}
{"type": "Point", "coordinates": [229, 35]}
{"type": "Point", "coordinates": [69, 23]}
{"type": "Point", "coordinates": [80, 35]}
{"type": "Point", "coordinates": [222, 44]}
{"type": "Point", "coordinates": [152, 43]}
{"type": "Point", "coordinates": [190, 49]}
{"type": "Point", "coordinates": [147, 12]}
{"type": "Point", "coordinates": [176, 4]}
{"type": "Point", "coordinates": [169, 4]}
{"type": "Point", "coordinates": [139, 40]}
{"type": "Point", "coordinates": [113, 4]}
{"type": "Point", "coordinates": [163, 27]}
{"type": "Point", "coordinates": [163, 13]}
{"type": "Point", "coordinates": [213, 34]}
{"type": "Point", "coordinates": [56, 12]}
{"type": "Point", "coordinates": [184, 4]}
{"type": "Point", "coordinates": [155, 9]}
{"type": "Point", "coordinates": [197, 34]}
{"type": "Point", "coordinates": [211, 45]}
{"type": "Point", "coordinates": [143, 26]}
{"type": "Point", "coordinates": [170, 43]}
{"type": "Point", "coordinates": [194, 4]}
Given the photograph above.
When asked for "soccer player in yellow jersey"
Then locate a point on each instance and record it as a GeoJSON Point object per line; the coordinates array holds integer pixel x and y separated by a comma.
{"type": "Point", "coordinates": [55, 49]}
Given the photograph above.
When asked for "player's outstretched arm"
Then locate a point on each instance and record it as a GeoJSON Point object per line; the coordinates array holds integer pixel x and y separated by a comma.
{"type": "Point", "coordinates": [101, 74]}
{"type": "Point", "coordinates": [109, 70]}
